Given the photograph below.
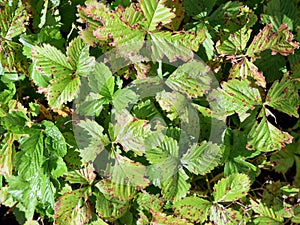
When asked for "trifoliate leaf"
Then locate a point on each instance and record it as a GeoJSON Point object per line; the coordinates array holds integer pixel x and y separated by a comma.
{"type": "Point", "coordinates": [91, 140]}
{"type": "Point", "coordinates": [193, 208]}
{"type": "Point", "coordinates": [156, 13]}
{"type": "Point", "coordinates": [200, 159]}
{"type": "Point", "coordinates": [235, 97]}
{"type": "Point", "coordinates": [279, 42]}
{"type": "Point", "coordinates": [72, 209]}
{"type": "Point", "coordinates": [283, 96]}
{"type": "Point", "coordinates": [231, 188]}
{"type": "Point", "coordinates": [265, 137]}
{"type": "Point", "coordinates": [164, 170]}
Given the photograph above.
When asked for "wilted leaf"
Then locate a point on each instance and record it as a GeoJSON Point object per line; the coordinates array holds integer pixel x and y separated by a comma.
{"type": "Point", "coordinates": [279, 42]}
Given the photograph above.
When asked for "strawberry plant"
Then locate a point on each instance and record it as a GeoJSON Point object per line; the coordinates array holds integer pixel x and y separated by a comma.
{"type": "Point", "coordinates": [149, 112]}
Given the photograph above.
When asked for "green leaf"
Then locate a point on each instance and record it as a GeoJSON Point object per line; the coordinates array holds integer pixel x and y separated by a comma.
{"type": "Point", "coordinates": [13, 17]}
{"type": "Point", "coordinates": [156, 13]}
{"type": "Point", "coordinates": [265, 137]}
{"type": "Point", "coordinates": [116, 192]}
{"type": "Point", "coordinates": [279, 42]}
{"type": "Point", "coordinates": [78, 57]}
{"type": "Point", "coordinates": [267, 214]}
{"type": "Point", "coordinates": [202, 158]}
{"type": "Point", "coordinates": [279, 12]}
{"type": "Point", "coordinates": [82, 176]}
{"type": "Point", "coordinates": [16, 121]}
{"type": "Point", "coordinates": [283, 96]}
{"type": "Point", "coordinates": [231, 188]}
{"type": "Point", "coordinates": [120, 31]}
{"type": "Point", "coordinates": [172, 102]}
{"type": "Point", "coordinates": [102, 81]}
{"type": "Point", "coordinates": [128, 172]}
{"type": "Point", "coordinates": [164, 160]}
{"type": "Point", "coordinates": [245, 69]}
{"type": "Point", "coordinates": [91, 140]}
{"type": "Point", "coordinates": [99, 221]}
{"type": "Point", "coordinates": [236, 42]}
{"type": "Point", "coordinates": [176, 6]}
{"type": "Point", "coordinates": [265, 220]}
{"type": "Point", "coordinates": [193, 208]}
{"type": "Point", "coordinates": [164, 171]}
{"type": "Point", "coordinates": [31, 157]}
{"type": "Point", "coordinates": [50, 61]}
{"type": "Point", "coordinates": [235, 97]}
{"type": "Point", "coordinates": [130, 132]}
{"type": "Point", "coordinates": [72, 209]}
{"type": "Point", "coordinates": [176, 186]}
{"type": "Point", "coordinates": [55, 138]}
{"type": "Point", "coordinates": [236, 165]}
{"type": "Point", "coordinates": [110, 209]}
{"type": "Point", "coordinates": [27, 192]}
{"type": "Point", "coordinates": [174, 45]}
{"type": "Point", "coordinates": [148, 201]}
{"type": "Point", "coordinates": [225, 216]}
{"type": "Point", "coordinates": [198, 8]}
{"type": "Point", "coordinates": [190, 81]}
{"type": "Point", "coordinates": [7, 150]}
{"type": "Point", "coordinates": [63, 88]}
{"type": "Point", "coordinates": [162, 218]}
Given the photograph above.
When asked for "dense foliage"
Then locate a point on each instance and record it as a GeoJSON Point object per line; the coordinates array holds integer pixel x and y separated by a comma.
{"type": "Point", "coordinates": [149, 112]}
